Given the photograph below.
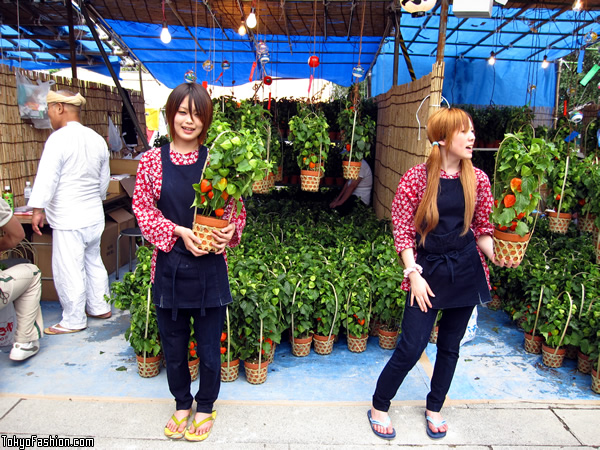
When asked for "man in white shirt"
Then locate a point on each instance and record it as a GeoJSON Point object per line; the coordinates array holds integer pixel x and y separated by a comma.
{"type": "Point", "coordinates": [355, 190]}
{"type": "Point", "coordinates": [20, 285]}
{"type": "Point", "coordinates": [71, 182]}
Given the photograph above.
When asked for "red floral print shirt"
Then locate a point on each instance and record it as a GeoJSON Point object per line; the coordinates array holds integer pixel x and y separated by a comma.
{"type": "Point", "coordinates": [408, 197]}
{"type": "Point", "coordinates": [154, 226]}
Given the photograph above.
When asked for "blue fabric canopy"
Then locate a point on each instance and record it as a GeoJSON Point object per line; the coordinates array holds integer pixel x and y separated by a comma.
{"type": "Point", "coordinates": [169, 62]}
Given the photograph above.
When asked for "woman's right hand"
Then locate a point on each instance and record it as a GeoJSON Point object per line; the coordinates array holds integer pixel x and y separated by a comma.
{"type": "Point", "coordinates": [190, 240]}
{"type": "Point", "coordinates": [420, 291]}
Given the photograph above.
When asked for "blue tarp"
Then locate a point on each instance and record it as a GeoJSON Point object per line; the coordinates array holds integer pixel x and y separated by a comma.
{"type": "Point", "coordinates": [169, 62]}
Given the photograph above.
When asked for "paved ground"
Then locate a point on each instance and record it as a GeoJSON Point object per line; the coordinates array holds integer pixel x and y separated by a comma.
{"type": "Point", "coordinates": [86, 385]}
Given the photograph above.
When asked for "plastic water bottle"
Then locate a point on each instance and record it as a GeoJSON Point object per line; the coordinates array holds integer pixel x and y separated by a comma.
{"type": "Point", "coordinates": [8, 197]}
{"type": "Point", "coordinates": [27, 191]}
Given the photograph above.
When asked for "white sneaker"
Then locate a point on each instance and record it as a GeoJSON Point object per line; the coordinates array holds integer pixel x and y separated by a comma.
{"type": "Point", "coordinates": [21, 352]}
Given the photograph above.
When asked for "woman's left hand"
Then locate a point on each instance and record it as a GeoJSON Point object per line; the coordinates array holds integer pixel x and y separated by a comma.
{"type": "Point", "coordinates": [222, 237]}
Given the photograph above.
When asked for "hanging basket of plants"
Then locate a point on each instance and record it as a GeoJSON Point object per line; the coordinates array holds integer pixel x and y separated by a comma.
{"type": "Point", "coordinates": [358, 134]}
{"type": "Point", "coordinates": [358, 315]}
{"type": "Point", "coordinates": [301, 329]}
{"type": "Point", "coordinates": [553, 352]}
{"type": "Point", "coordinates": [562, 198]}
{"type": "Point", "coordinates": [265, 185]}
{"type": "Point", "coordinates": [311, 143]}
{"type": "Point", "coordinates": [325, 334]}
{"type": "Point", "coordinates": [234, 162]}
{"type": "Point", "coordinates": [521, 164]}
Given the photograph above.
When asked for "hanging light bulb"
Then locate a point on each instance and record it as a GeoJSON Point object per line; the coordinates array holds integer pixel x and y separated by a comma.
{"type": "Point", "coordinates": [242, 29]}
{"type": "Point", "coordinates": [251, 20]}
{"type": "Point", "coordinates": [577, 5]}
{"type": "Point", "coordinates": [492, 59]}
{"type": "Point", "coordinates": [165, 36]}
{"type": "Point", "coordinates": [545, 63]}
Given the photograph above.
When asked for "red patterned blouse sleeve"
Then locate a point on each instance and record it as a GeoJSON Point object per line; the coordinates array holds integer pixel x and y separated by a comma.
{"type": "Point", "coordinates": [483, 207]}
{"type": "Point", "coordinates": [406, 201]}
{"type": "Point", "coordinates": [155, 227]}
{"type": "Point", "coordinates": [238, 219]}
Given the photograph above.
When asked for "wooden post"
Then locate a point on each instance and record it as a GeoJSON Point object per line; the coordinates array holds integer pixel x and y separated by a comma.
{"type": "Point", "coordinates": [442, 32]}
{"type": "Point", "coordinates": [72, 41]}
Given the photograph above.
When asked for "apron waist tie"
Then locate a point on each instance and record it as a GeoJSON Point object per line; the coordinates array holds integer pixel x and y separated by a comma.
{"type": "Point", "coordinates": [439, 258]}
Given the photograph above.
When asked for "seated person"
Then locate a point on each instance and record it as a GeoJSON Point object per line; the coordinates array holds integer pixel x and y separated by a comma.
{"type": "Point", "coordinates": [355, 190]}
{"type": "Point", "coordinates": [21, 285]}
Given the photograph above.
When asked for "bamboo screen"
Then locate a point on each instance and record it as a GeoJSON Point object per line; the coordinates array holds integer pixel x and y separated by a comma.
{"type": "Point", "coordinates": [401, 143]}
{"type": "Point", "coordinates": [21, 144]}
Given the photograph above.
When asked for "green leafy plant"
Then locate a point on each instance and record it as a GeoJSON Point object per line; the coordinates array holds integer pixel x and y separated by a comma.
{"type": "Point", "coordinates": [358, 135]}
{"type": "Point", "coordinates": [561, 182]}
{"type": "Point", "coordinates": [521, 167]}
{"type": "Point", "coordinates": [310, 138]}
{"type": "Point", "coordinates": [132, 294]}
{"type": "Point", "coordinates": [237, 159]}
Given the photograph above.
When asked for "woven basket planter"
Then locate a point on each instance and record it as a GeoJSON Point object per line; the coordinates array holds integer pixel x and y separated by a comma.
{"type": "Point", "coordinates": [203, 228]}
{"type": "Point", "coordinates": [357, 344]}
{"type": "Point", "coordinates": [323, 344]}
{"type": "Point", "coordinates": [595, 382]}
{"type": "Point", "coordinates": [301, 347]}
{"type": "Point", "coordinates": [388, 339]}
{"type": "Point", "coordinates": [433, 335]}
{"type": "Point", "coordinates": [558, 223]}
{"type": "Point", "coordinates": [553, 357]}
{"type": "Point", "coordinates": [584, 365]}
{"type": "Point", "coordinates": [230, 370]}
{"type": "Point", "coordinates": [271, 355]}
{"type": "Point", "coordinates": [510, 246]}
{"type": "Point", "coordinates": [193, 366]}
{"type": "Point", "coordinates": [586, 224]}
{"type": "Point", "coordinates": [495, 304]}
{"type": "Point", "coordinates": [310, 180]}
{"type": "Point", "coordinates": [262, 186]}
{"type": "Point", "coordinates": [351, 169]}
{"type": "Point", "coordinates": [533, 344]}
{"type": "Point", "coordinates": [150, 366]}
{"type": "Point", "coordinates": [256, 374]}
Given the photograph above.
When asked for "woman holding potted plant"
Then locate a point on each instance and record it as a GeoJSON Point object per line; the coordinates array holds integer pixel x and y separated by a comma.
{"type": "Point", "coordinates": [188, 282]}
{"type": "Point", "coordinates": [443, 205]}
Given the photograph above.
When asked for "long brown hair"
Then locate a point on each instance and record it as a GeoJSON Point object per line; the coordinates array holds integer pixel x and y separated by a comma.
{"type": "Point", "coordinates": [441, 126]}
{"type": "Point", "coordinates": [198, 98]}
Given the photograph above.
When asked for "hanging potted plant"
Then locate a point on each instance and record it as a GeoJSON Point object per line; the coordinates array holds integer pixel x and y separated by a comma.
{"type": "Point", "coordinates": [561, 199]}
{"type": "Point", "coordinates": [520, 170]}
{"type": "Point", "coordinates": [311, 143]}
{"type": "Point", "coordinates": [133, 294]}
{"type": "Point", "coordinates": [327, 318]}
{"type": "Point", "coordinates": [235, 160]}
{"type": "Point", "coordinates": [358, 135]}
{"type": "Point", "coordinates": [302, 310]}
{"type": "Point", "coordinates": [554, 329]}
{"type": "Point", "coordinates": [230, 343]}
{"type": "Point", "coordinates": [357, 315]}
{"type": "Point", "coordinates": [389, 299]}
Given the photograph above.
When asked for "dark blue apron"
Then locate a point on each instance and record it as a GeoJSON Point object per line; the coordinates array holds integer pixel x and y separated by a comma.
{"type": "Point", "coordinates": [183, 280]}
{"type": "Point", "coordinates": [451, 263]}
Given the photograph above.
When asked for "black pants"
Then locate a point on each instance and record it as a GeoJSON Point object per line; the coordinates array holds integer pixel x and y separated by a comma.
{"type": "Point", "coordinates": [175, 337]}
{"type": "Point", "coordinates": [348, 206]}
{"type": "Point", "coordinates": [416, 328]}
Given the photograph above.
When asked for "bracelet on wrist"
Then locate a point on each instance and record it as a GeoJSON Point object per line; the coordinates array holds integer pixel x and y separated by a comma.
{"type": "Point", "coordinates": [415, 268]}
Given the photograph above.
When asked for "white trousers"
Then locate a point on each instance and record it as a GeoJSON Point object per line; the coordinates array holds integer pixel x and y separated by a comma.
{"type": "Point", "coordinates": [21, 285]}
{"type": "Point", "coordinates": [80, 277]}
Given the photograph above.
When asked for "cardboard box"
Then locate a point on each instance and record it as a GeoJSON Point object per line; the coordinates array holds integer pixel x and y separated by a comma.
{"type": "Point", "coordinates": [121, 166]}
{"type": "Point", "coordinates": [116, 221]}
{"type": "Point", "coordinates": [114, 187]}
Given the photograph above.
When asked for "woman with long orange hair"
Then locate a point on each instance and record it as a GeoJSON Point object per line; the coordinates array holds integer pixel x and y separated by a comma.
{"type": "Point", "coordinates": [442, 232]}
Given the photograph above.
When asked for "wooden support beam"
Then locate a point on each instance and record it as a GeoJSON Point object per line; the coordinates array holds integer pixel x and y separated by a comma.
{"type": "Point", "coordinates": [73, 56]}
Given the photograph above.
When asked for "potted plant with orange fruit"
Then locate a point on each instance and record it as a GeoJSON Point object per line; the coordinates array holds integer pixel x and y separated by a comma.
{"type": "Point", "coordinates": [561, 200]}
{"type": "Point", "coordinates": [236, 159]}
{"type": "Point", "coordinates": [358, 135]}
{"type": "Point", "coordinates": [310, 140]}
{"type": "Point", "coordinates": [521, 166]}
